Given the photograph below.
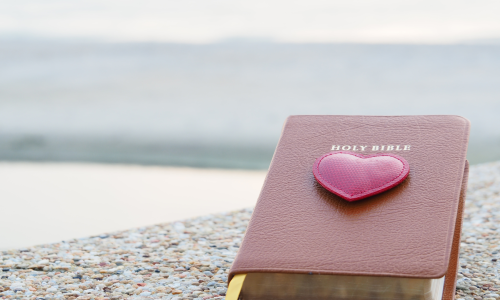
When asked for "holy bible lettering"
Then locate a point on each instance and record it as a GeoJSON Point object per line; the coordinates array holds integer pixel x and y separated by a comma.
{"type": "Point", "coordinates": [371, 148]}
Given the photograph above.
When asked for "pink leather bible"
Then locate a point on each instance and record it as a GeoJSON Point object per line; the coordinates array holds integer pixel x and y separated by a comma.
{"type": "Point", "coordinates": [305, 241]}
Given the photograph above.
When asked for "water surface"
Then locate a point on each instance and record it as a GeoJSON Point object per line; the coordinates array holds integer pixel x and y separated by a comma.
{"type": "Point", "coordinates": [223, 105]}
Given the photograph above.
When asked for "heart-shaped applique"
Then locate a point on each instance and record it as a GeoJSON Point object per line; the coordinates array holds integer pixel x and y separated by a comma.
{"type": "Point", "coordinates": [353, 176]}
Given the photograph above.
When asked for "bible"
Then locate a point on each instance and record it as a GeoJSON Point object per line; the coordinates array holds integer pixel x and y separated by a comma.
{"type": "Point", "coordinates": [336, 218]}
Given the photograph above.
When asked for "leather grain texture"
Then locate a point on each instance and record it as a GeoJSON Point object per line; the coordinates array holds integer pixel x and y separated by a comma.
{"type": "Point", "coordinates": [408, 231]}
{"type": "Point", "coordinates": [354, 176]}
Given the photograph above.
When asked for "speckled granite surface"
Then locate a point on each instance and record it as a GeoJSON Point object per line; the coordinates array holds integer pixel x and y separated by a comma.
{"type": "Point", "coordinates": [191, 259]}
{"type": "Point", "coordinates": [478, 276]}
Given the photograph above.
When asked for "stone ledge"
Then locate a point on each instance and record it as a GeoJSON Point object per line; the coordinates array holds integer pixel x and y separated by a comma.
{"type": "Point", "coordinates": [191, 259]}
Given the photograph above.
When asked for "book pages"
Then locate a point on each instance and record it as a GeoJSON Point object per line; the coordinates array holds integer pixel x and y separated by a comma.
{"type": "Point", "coordinates": [267, 286]}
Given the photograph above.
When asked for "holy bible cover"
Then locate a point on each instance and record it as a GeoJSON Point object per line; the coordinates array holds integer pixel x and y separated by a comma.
{"type": "Point", "coordinates": [404, 237]}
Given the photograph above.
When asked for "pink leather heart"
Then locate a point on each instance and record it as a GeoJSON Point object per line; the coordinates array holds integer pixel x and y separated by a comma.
{"type": "Point", "coordinates": [353, 176]}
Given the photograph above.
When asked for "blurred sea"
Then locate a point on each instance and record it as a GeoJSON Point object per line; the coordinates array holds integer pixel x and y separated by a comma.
{"type": "Point", "coordinates": [223, 104]}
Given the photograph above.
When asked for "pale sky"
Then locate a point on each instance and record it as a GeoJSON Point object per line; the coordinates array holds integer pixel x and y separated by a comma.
{"type": "Point", "coordinates": [207, 21]}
